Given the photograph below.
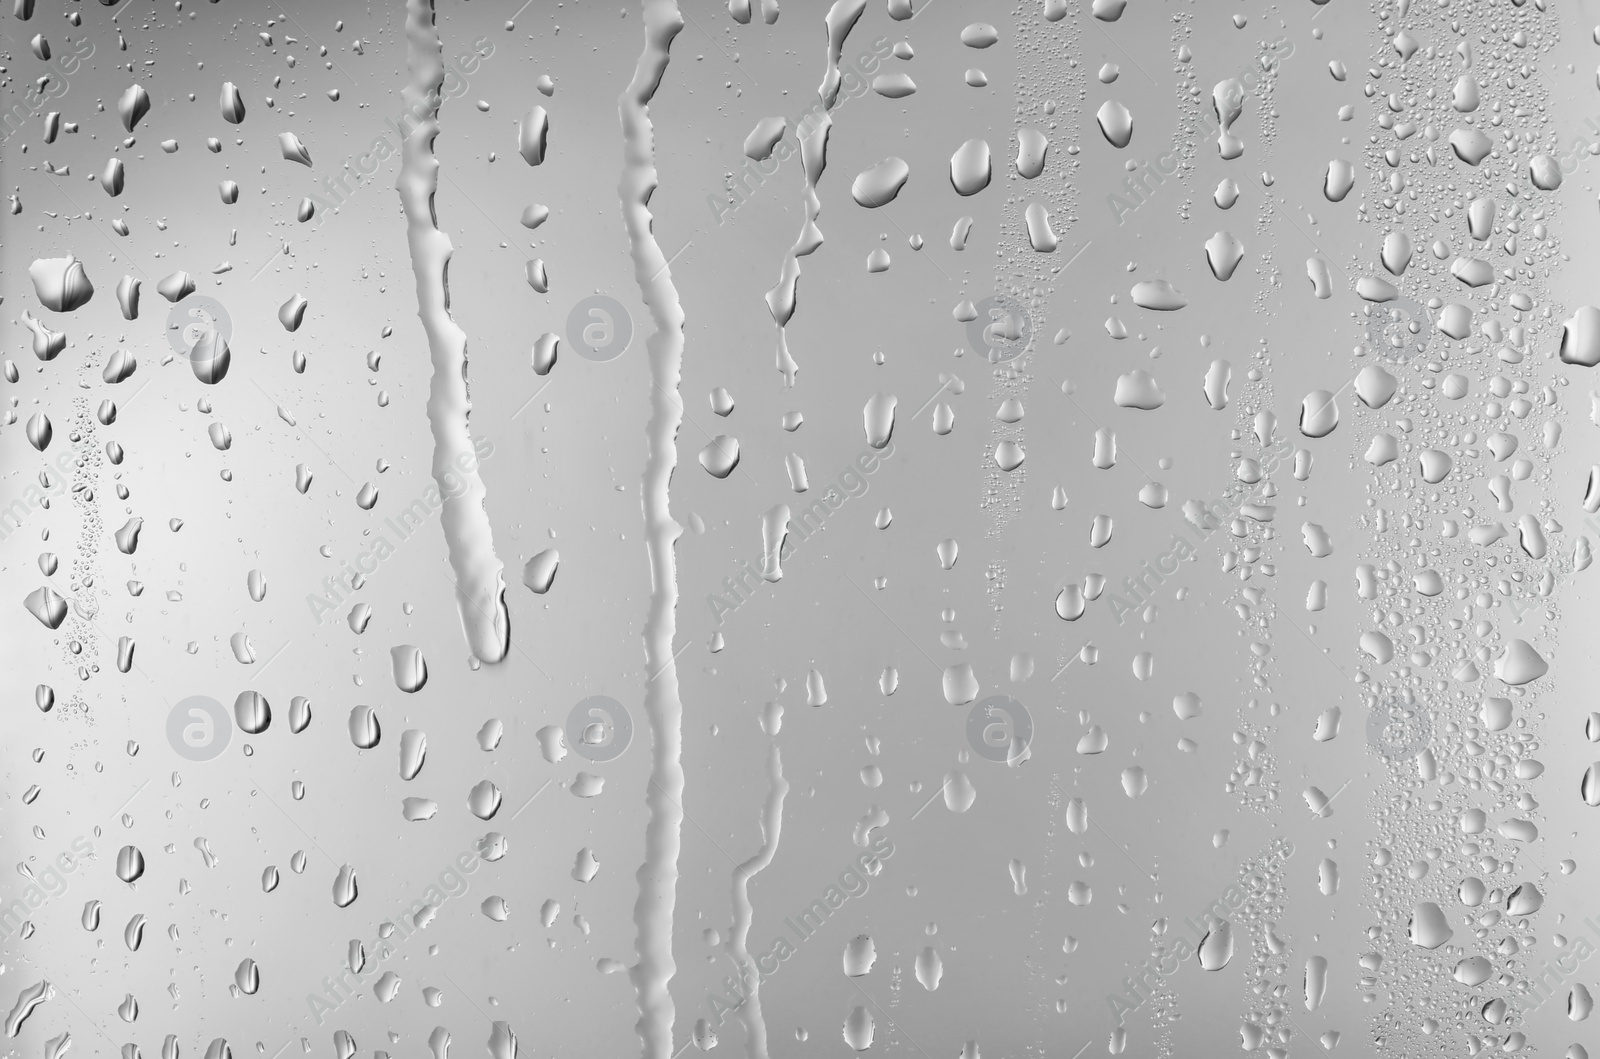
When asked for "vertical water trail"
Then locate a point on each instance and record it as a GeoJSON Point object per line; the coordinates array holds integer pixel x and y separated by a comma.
{"type": "Point", "coordinates": [480, 581]}
{"type": "Point", "coordinates": [743, 912]}
{"type": "Point", "coordinates": [840, 20]}
{"type": "Point", "coordinates": [658, 875]}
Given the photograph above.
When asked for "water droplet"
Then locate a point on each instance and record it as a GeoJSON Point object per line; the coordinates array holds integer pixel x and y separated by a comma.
{"type": "Point", "coordinates": [1116, 123]}
{"type": "Point", "coordinates": [970, 168]}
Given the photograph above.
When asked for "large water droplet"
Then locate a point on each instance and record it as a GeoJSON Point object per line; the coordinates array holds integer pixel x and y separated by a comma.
{"type": "Point", "coordinates": [969, 167]}
{"type": "Point", "coordinates": [1116, 123]}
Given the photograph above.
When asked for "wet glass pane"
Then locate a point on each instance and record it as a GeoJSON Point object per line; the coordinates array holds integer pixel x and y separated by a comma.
{"type": "Point", "coordinates": [903, 527]}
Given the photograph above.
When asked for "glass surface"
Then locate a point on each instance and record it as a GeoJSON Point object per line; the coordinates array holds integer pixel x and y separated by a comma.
{"type": "Point", "coordinates": [911, 527]}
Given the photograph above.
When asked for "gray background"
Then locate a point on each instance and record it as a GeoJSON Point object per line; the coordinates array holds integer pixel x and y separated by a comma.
{"type": "Point", "coordinates": [568, 453]}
